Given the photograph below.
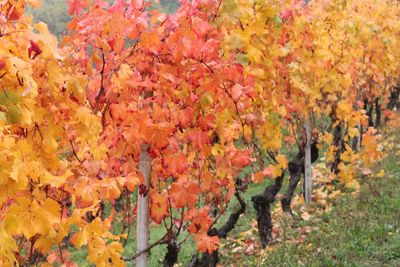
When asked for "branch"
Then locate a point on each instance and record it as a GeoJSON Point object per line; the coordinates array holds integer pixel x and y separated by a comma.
{"type": "Point", "coordinates": [236, 110]}
{"type": "Point", "coordinates": [102, 81]}
{"type": "Point", "coordinates": [9, 33]}
{"type": "Point", "coordinates": [223, 231]}
{"type": "Point", "coordinates": [74, 152]}
{"type": "Point", "coordinates": [216, 11]}
{"type": "Point", "coordinates": [163, 240]}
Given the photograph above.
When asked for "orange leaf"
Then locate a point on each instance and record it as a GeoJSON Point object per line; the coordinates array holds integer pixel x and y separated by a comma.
{"type": "Point", "coordinates": [151, 40]}
{"type": "Point", "coordinates": [268, 171]}
{"type": "Point", "coordinates": [184, 193]}
{"type": "Point", "coordinates": [199, 138]}
{"type": "Point", "coordinates": [258, 177]}
{"type": "Point", "coordinates": [200, 220]}
{"type": "Point", "coordinates": [237, 91]}
{"type": "Point", "coordinates": [241, 159]}
{"type": "Point", "coordinates": [159, 207]}
{"type": "Point", "coordinates": [132, 181]}
{"type": "Point", "coordinates": [206, 243]}
{"type": "Point", "coordinates": [175, 164]}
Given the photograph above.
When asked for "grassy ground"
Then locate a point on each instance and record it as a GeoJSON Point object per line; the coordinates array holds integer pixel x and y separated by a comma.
{"type": "Point", "coordinates": [360, 229]}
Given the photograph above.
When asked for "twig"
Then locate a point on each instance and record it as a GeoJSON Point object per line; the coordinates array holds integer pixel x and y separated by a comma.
{"type": "Point", "coordinates": [74, 152]}
{"type": "Point", "coordinates": [61, 255]}
{"type": "Point", "coordinates": [102, 81]}
{"type": "Point", "coordinates": [159, 242]}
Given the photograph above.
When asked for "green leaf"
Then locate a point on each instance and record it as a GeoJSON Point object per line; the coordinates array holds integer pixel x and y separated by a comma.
{"type": "Point", "coordinates": [13, 114]}
{"type": "Point", "coordinates": [8, 97]}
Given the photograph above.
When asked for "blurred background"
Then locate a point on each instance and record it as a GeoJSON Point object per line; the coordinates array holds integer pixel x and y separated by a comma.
{"type": "Point", "coordinates": [55, 13]}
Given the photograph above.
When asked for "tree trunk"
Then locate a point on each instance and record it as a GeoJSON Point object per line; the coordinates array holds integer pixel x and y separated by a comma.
{"type": "Point", "coordinates": [337, 142]}
{"type": "Point", "coordinates": [211, 259]}
{"type": "Point", "coordinates": [378, 112]}
{"type": "Point", "coordinates": [142, 221]}
{"type": "Point", "coordinates": [356, 145]}
{"type": "Point", "coordinates": [394, 98]}
{"type": "Point", "coordinates": [172, 253]}
{"type": "Point", "coordinates": [296, 167]}
{"type": "Point", "coordinates": [369, 108]}
{"type": "Point", "coordinates": [307, 165]}
{"type": "Point", "coordinates": [262, 203]}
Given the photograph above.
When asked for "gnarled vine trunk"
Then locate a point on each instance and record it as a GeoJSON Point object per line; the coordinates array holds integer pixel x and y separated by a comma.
{"type": "Point", "coordinates": [369, 107]}
{"type": "Point", "coordinates": [337, 142]}
{"type": "Point", "coordinates": [295, 171]}
{"type": "Point", "coordinates": [378, 113]}
{"type": "Point", "coordinates": [262, 203]}
{"type": "Point", "coordinates": [172, 253]}
{"type": "Point", "coordinates": [212, 259]}
{"type": "Point", "coordinates": [394, 98]}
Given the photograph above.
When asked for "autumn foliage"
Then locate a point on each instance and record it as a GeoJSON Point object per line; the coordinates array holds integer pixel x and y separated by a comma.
{"type": "Point", "coordinates": [217, 93]}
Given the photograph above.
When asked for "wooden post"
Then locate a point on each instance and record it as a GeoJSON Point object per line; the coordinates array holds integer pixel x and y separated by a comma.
{"type": "Point", "coordinates": [142, 221]}
{"type": "Point", "coordinates": [307, 165]}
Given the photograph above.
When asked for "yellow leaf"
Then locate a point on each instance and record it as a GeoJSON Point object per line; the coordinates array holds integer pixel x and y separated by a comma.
{"type": "Point", "coordinates": [79, 239]}
{"type": "Point", "coordinates": [282, 161]}
{"type": "Point", "coordinates": [381, 173]}
{"type": "Point", "coordinates": [11, 225]}
{"type": "Point", "coordinates": [254, 54]}
{"type": "Point", "coordinates": [53, 180]}
{"type": "Point", "coordinates": [217, 149]}
{"type": "Point", "coordinates": [343, 110]}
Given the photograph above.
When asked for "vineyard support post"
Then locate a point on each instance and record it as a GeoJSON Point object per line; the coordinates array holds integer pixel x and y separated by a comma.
{"type": "Point", "coordinates": [359, 137]}
{"type": "Point", "coordinates": [307, 165]}
{"type": "Point", "coordinates": [142, 221]}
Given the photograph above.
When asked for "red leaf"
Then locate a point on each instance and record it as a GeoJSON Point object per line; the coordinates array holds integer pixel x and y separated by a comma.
{"type": "Point", "coordinates": [111, 43]}
{"type": "Point", "coordinates": [142, 190]}
{"type": "Point", "coordinates": [34, 48]}
{"type": "Point", "coordinates": [137, 4]}
{"type": "Point", "coordinates": [206, 123]}
{"type": "Point", "coordinates": [241, 159]}
{"type": "Point", "coordinates": [12, 13]}
{"type": "Point", "coordinates": [75, 6]}
{"type": "Point", "coordinates": [201, 27]}
{"type": "Point", "coordinates": [118, 6]}
{"type": "Point", "coordinates": [2, 64]}
{"type": "Point", "coordinates": [285, 14]}
{"type": "Point", "coordinates": [237, 91]}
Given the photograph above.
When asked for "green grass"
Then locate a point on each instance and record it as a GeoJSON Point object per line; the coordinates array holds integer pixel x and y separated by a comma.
{"type": "Point", "coordinates": [359, 231]}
